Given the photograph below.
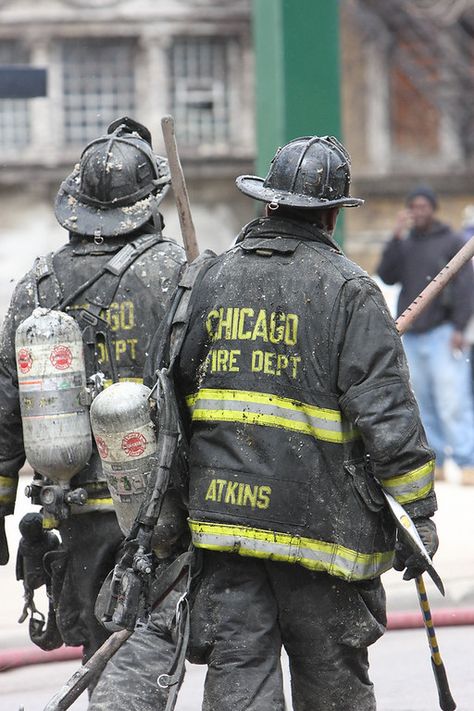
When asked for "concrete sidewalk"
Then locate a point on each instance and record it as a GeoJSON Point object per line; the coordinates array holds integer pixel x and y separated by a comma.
{"type": "Point", "coordinates": [454, 562]}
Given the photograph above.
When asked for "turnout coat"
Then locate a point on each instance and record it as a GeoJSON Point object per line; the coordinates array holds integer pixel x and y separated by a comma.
{"type": "Point", "coordinates": [299, 407]}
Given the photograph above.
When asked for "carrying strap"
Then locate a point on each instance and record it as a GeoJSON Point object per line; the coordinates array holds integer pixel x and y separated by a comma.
{"type": "Point", "coordinates": [44, 631]}
{"type": "Point", "coordinates": [180, 312]}
{"type": "Point", "coordinates": [45, 637]}
{"type": "Point", "coordinates": [173, 679]}
{"type": "Point", "coordinates": [109, 275]}
{"type": "Point", "coordinates": [43, 269]}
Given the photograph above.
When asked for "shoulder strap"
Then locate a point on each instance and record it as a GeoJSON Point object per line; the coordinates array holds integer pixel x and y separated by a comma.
{"type": "Point", "coordinates": [44, 268]}
{"type": "Point", "coordinates": [99, 292]}
{"type": "Point", "coordinates": [178, 317]}
{"type": "Point", "coordinates": [111, 273]}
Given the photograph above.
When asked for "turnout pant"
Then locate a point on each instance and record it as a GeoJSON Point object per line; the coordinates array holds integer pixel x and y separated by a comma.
{"type": "Point", "coordinates": [245, 609]}
{"type": "Point", "coordinates": [129, 680]}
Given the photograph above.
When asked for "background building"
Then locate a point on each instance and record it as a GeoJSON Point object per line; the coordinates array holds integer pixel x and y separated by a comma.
{"type": "Point", "coordinates": [107, 58]}
{"type": "Point", "coordinates": [407, 107]}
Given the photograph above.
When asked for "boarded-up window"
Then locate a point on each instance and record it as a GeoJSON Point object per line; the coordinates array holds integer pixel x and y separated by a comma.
{"type": "Point", "coordinates": [415, 117]}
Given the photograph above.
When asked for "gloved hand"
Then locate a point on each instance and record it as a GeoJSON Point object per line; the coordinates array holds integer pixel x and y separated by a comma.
{"type": "Point", "coordinates": [405, 557]}
{"type": "Point", "coordinates": [4, 554]}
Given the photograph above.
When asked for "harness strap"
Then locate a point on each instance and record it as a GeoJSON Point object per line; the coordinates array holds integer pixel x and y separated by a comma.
{"type": "Point", "coordinates": [173, 679]}
{"type": "Point", "coordinates": [113, 271]}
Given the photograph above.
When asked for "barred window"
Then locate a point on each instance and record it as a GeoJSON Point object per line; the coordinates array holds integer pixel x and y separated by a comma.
{"type": "Point", "coordinates": [200, 89]}
{"type": "Point", "coordinates": [14, 113]}
{"type": "Point", "coordinates": [98, 86]}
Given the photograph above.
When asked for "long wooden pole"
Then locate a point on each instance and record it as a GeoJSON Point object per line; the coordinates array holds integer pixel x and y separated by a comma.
{"type": "Point", "coordinates": [179, 190]}
{"type": "Point", "coordinates": [81, 679]}
{"type": "Point", "coordinates": [435, 286]}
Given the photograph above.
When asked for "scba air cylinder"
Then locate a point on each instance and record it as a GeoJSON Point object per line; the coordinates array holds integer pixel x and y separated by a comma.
{"type": "Point", "coordinates": [126, 440]}
{"type": "Point", "coordinates": [52, 388]}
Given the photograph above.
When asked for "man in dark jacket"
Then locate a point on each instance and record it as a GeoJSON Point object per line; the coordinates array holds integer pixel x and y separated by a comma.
{"type": "Point", "coordinates": [436, 348]}
{"type": "Point", "coordinates": [115, 276]}
{"type": "Point", "coordinates": [299, 412]}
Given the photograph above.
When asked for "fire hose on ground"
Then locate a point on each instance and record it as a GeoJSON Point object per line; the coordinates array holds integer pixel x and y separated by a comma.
{"type": "Point", "coordinates": [15, 658]}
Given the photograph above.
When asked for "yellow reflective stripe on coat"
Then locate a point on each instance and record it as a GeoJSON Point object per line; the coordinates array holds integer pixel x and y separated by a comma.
{"type": "Point", "coordinates": [266, 409]}
{"type": "Point", "coordinates": [331, 558]}
{"type": "Point", "coordinates": [100, 505]}
{"type": "Point", "coordinates": [8, 487]}
{"type": "Point", "coordinates": [411, 486]}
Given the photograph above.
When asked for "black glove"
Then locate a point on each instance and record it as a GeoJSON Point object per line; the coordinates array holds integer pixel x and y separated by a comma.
{"type": "Point", "coordinates": [4, 554]}
{"type": "Point", "coordinates": [405, 557]}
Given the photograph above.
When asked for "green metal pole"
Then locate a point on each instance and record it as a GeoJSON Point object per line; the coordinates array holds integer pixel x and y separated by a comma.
{"type": "Point", "coordinates": [297, 73]}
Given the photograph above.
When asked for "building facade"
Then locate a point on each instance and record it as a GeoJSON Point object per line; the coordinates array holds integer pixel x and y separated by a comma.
{"type": "Point", "coordinates": [107, 58]}
{"type": "Point", "coordinates": [407, 88]}
{"type": "Point", "coordinates": [408, 108]}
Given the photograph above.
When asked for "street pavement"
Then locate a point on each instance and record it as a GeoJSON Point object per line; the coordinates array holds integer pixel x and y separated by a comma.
{"type": "Point", "coordinates": [400, 661]}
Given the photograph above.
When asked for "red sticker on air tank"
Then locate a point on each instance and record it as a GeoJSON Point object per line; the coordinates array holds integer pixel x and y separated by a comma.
{"type": "Point", "coordinates": [61, 357]}
{"type": "Point", "coordinates": [102, 447]}
{"type": "Point", "coordinates": [134, 444]}
{"type": "Point", "coordinates": [25, 360]}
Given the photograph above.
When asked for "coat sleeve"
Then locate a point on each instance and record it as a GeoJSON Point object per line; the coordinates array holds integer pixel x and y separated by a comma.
{"type": "Point", "coordinates": [12, 455]}
{"type": "Point", "coordinates": [375, 395]}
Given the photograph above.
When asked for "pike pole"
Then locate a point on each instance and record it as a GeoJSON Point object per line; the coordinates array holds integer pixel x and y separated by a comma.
{"type": "Point", "coordinates": [81, 679]}
{"type": "Point", "coordinates": [179, 190]}
{"type": "Point", "coordinates": [433, 289]}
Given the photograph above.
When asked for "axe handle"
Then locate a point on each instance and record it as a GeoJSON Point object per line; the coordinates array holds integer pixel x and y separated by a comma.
{"type": "Point", "coordinates": [81, 679]}
{"type": "Point", "coordinates": [435, 286]}
{"type": "Point", "coordinates": [179, 190]}
{"type": "Point", "coordinates": [446, 701]}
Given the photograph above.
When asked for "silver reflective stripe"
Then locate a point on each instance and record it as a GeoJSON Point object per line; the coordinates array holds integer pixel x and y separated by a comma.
{"type": "Point", "coordinates": [269, 410]}
{"type": "Point", "coordinates": [274, 410]}
{"type": "Point", "coordinates": [412, 485]}
{"type": "Point", "coordinates": [316, 555]}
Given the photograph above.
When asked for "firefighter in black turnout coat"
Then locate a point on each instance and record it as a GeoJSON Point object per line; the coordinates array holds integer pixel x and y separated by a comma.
{"type": "Point", "coordinates": [115, 276]}
{"type": "Point", "coordinates": [299, 410]}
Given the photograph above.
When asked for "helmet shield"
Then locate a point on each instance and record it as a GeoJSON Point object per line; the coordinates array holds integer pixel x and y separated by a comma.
{"type": "Point", "coordinates": [310, 172]}
{"type": "Point", "coordinates": [116, 187]}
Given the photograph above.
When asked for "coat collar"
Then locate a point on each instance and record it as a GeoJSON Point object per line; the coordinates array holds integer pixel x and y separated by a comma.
{"type": "Point", "coordinates": [283, 227]}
